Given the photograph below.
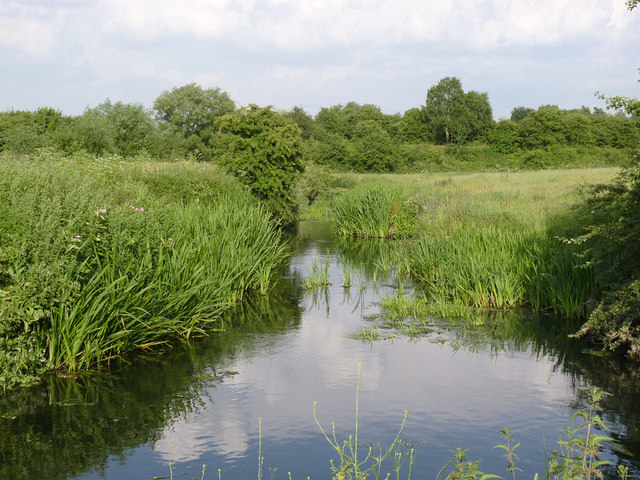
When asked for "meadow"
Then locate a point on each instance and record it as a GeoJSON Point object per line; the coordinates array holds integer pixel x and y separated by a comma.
{"type": "Point", "coordinates": [480, 240]}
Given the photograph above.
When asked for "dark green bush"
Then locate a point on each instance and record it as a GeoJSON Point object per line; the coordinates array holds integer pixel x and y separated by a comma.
{"type": "Point", "coordinates": [264, 151]}
{"type": "Point", "coordinates": [615, 324]}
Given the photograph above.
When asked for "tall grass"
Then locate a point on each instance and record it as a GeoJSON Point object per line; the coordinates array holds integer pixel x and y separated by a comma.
{"type": "Point", "coordinates": [483, 239]}
{"type": "Point", "coordinates": [101, 264]}
{"type": "Point", "coordinates": [491, 267]}
{"type": "Point", "coordinates": [374, 210]}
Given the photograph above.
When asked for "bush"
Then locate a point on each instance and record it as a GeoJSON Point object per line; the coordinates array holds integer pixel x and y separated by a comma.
{"type": "Point", "coordinates": [373, 150]}
{"type": "Point", "coordinates": [263, 150]}
{"type": "Point", "coordinates": [615, 324]}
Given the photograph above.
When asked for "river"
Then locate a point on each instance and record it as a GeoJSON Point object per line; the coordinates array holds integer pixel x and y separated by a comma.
{"type": "Point", "coordinates": [200, 403]}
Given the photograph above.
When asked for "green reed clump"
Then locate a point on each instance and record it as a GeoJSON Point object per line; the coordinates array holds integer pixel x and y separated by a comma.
{"type": "Point", "coordinates": [493, 267]}
{"type": "Point", "coordinates": [317, 274]}
{"type": "Point", "coordinates": [96, 264]}
{"type": "Point", "coordinates": [375, 210]}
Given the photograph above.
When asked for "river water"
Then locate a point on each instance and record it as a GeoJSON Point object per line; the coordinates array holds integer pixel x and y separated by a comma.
{"type": "Point", "coordinates": [200, 403]}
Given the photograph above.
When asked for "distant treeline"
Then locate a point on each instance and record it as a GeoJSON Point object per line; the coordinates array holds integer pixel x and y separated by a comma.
{"type": "Point", "coordinates": [185, 122]}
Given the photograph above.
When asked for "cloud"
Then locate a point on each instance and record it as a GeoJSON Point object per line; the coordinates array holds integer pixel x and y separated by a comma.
{"type": "Point", "coordinates": [295, 24]}
{"type": "Point", "coordinates": [33, 29]}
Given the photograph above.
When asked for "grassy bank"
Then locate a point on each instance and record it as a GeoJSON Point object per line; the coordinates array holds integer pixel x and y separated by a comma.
{"type": "Point", "coordinates": [482, 240]}
{"type": "Point", "coordinates": [99, 257]}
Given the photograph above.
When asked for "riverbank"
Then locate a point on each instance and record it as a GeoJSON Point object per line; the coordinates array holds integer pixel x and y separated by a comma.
{"type": "Point", "coordinates": [481, 240]}
{"type": "Point", "coordinates": [101, 256]}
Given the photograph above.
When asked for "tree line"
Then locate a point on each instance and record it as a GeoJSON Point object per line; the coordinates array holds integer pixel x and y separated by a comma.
{"type": "Point", "coordinates": [185, 121]}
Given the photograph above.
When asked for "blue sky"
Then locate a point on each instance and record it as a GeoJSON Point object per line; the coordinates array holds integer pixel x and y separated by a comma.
{"type": "Point", "coordinates": [70, 54]}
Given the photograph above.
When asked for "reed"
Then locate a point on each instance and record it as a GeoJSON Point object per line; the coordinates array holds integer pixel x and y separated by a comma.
{"type": "Point", "coordinates": [502, 268]}
{"type": "Point", "coordinates": [374, 210]}
{"type": "Point", "coordinates": [106, 266]}
{"type": "Point", "coordinates": [317, 274]}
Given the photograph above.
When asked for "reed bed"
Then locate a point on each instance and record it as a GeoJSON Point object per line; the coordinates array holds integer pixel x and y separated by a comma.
{"type": "Point", "coordinates": [374, 210]}
{"type": "Point", "coordinates": [105, 258]}
{"type": "Point", "coordinates": [499, 268]}
{"type": "Point", "coordinates": [481, 240]}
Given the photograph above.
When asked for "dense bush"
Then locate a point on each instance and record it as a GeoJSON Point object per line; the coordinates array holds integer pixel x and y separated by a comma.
{"type": "Point", "coordinates": [264, 151]}
{"type": "Point", "coordinates": [373, 150]}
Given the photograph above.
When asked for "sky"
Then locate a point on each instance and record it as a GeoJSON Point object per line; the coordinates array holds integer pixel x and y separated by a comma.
{"type": "Point", "coordinates": [74, 54]}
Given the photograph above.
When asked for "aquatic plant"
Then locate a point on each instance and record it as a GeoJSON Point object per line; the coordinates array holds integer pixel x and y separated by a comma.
{"type": "Point", "coordinates": [96, 264]}
{"type": "Point", "coordinates": [375, 209]}
{"type": "Point", "coordinates": [317, 274]}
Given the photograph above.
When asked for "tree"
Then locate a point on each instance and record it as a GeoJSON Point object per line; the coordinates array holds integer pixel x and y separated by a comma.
{"type": "Point", "coordinates": [413, 128]}
{"type": "Point", "coordinates": [520, 113]}
{"type": "Point", "coordinates": [374, 149]}
{"type": "Point", "coordinates": [343, 120]}
{"type": "Point", "coordinates": [454, 115]}
{"type": "Point", "coordinates": [263, 150]}
{"type": "Point", "coordinates": [445, 106]}
{"type": "Point", "coordinates": [131, 125]}
{"type": "Point", "coordinates": [478, 115]}
{"type": "Point", "coordinates": [193, 111]}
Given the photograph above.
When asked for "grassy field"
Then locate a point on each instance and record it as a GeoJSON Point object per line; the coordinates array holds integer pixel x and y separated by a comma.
{"type": "Point", "coordinates": [529, 197]}
{"type": "Point", "coordinates": [481, 240]}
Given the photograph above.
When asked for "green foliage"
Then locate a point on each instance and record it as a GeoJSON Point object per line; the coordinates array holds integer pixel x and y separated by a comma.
{"type": "Point", "coordinates": [413, 128]}
{"type": "Point", "coordinates": [580, 445]}
{"type": "Point", "coordinates": [506, 136]}
{"type": "Point", "coordinates": [608, 219]}
{"type": "Point", "coordinates": [454, 115]}
{"type": "Point", "coordinates": [373, 150]}
{"type": "Point", "coordinates": [332, 150]}
{"type": "Point", "coordinates": [129, 127]}
{"type": "Point", "coordinates": [549, 127]}
{"type": "Point", "coordinates": [520, 113]}
{"type": "Point", "coordinates": [263, 151]}
{"type": "Point", "coordinates": [192, 112]}
{"type": "Point", "coordinates": [615, 325]}
{"type": "Point", "coordinates": [491, 267]}
{"type": "Point", "coordinates": [343, 120]}
{"type": "Point", "coordinates": [543, 127]}
{"type": "Point", "coordinates": [26, 132]}
{"type": "Point", "coordinates": [317, 274]}
{"type": "Point", "coordinates": [100, 264]}
{"type": "Point", "coordinates": [375, 209]}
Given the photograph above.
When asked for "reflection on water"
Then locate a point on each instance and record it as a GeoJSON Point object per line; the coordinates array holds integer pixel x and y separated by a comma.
{"type": "Point", "coordinates": [200, 403]}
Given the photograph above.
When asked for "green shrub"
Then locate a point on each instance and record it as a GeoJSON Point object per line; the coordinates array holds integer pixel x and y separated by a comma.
{"type": "Point", "coordinates": [372, 149]}
{"type": "Point", "coordinates": [263, 150]}
{"type": "Point", "coordinates": [615, 325]}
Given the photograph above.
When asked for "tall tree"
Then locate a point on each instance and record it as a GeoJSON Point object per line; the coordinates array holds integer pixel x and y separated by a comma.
{"type": "Point", "coordinates": [445, 106]}
{"type": "Point", "coordinates": [192, 111]}
{"type": "Point", "coordinates": [454, 115]}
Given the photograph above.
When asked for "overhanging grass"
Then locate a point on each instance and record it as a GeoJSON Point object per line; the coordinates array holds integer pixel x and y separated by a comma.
{"type": "Point", "coordinates": [103, 261]}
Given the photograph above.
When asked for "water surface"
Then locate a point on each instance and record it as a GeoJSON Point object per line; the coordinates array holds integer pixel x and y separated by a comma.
{"type": "Point", "coordinates": [200, 403]}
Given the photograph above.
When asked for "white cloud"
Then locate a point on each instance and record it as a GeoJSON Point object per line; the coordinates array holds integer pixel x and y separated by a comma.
{"type": "Point", "coordinates": [295, 24]}
{"type": "Point", "coordinates": [30, 29]}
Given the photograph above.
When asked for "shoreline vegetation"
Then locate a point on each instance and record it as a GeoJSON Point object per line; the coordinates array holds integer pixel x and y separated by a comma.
{"type": "Point", "coordinates": [124, 228]}
{"type": "Point", "coordinates": [102, 256]}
